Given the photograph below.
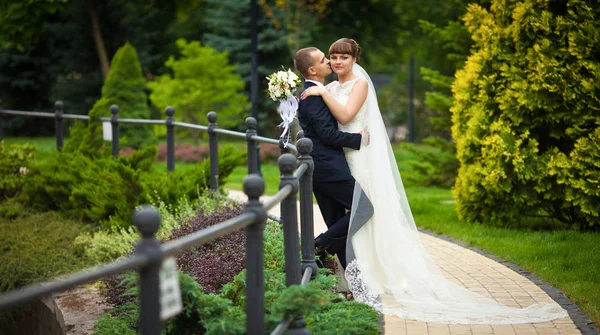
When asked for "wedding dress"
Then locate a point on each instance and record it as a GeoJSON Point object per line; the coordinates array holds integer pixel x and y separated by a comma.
{"type": "Point", "coordinates": [388, 267]}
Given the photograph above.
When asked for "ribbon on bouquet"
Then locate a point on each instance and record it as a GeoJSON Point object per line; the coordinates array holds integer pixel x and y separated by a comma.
{"type": "Point", "coordinates": [287, 110]}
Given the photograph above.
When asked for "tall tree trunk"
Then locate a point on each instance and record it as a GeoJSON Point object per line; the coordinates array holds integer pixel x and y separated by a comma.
{"type": "Point", "coordinates": [104, 65]}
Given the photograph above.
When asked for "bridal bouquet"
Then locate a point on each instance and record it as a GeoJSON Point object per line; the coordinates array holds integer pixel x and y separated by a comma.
{"type": "Point", "coordinates": [282, 85]}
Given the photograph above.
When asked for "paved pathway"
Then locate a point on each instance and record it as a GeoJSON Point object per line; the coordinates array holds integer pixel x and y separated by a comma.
{"type": "Point", "coordinates": [476, 272]}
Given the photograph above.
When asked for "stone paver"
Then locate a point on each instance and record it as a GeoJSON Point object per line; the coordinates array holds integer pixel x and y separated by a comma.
{"type": "Point", "coordinates": [479, 274]}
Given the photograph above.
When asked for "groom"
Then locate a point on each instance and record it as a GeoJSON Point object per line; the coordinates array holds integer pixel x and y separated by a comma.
{"type": "Point", "coordinates": [333, 185]}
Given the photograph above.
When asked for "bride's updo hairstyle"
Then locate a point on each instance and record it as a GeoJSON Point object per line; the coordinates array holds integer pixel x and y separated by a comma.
{"type": "Point", "coordinates": [345, 46]}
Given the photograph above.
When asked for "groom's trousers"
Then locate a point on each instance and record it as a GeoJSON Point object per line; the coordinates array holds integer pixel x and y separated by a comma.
{"type": "Point", "coordinates": [335, 202]}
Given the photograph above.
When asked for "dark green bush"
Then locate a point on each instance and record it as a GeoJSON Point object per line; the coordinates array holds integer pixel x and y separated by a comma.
{"type": "Point", "coordinates": [121, 320]}
{"type": "Point", "coordinates": [14, 165]}
{"type": "Point", "coordinates": [434, 168]}
{"type": "Point", "coordinates": [352, 317]}
{"type": "Point", "coordinates": [191, 182]}
{"type": "Point", "coordinates": [527, 114]}
{"type": "Point", "coordinates": [91, 189]}
{"type": "Point", "coordinates": [97, 189]}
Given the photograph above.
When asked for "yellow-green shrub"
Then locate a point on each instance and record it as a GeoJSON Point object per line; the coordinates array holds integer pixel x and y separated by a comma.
{"type": "Point", "coordinates": [527, 113]}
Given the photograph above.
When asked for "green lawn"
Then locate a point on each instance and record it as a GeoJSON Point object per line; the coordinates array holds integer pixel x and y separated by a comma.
{"type": "Point", "coordinates": [567, 260]}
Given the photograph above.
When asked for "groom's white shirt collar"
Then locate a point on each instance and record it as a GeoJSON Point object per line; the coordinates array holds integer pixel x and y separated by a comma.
{"type": "Point", "coordinates": [316, 82]}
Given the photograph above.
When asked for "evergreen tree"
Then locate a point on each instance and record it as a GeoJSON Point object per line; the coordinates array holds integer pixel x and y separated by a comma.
{"type": "Point", "coordinates": [124, 86]}
{"type": "Point", "coordinates": [229, 24]}
{"type": "Point", "coordinates": [526, 116]}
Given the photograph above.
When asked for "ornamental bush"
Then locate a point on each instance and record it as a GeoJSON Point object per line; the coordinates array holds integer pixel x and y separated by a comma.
{"type": "Point", "coordinates": [213, 264]}
{"type": "Point", "coordinates": [93, 190]}
{"type": "Point", "coordinates": [223, 313]}
{"type": "Point", "coordinates": [125, 87]}
{"type": "Point", "coordinates": [526, 119]}
{"type": "Point", "coordinates": [105, 189]}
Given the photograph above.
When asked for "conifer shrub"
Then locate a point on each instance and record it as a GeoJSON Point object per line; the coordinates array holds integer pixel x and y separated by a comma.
{"type": "Point", "coordinates": [105, 190]}
{"type": "Point", "coordinates": [93, 190]}
{"type": "Point", "coordinates": [124, 86]}
{"type": "Point", "coordinates": [526, 116]}
{"type": "Point", "coordinates": [190, 183]}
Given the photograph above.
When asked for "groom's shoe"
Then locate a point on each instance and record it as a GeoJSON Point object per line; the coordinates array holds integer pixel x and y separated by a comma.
{"type": "Point", "coordinates": [321, 253]}
{"type": "Point", "coordinates": [320, 247]}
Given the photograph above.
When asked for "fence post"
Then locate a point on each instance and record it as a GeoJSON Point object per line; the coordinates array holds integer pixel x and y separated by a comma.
{"type": "Point", "coordinates": [147, 221]}
{"type": "Point", "coordinates": [114, 123]}
{"type": "Point", "coordinates": [170, 111]}
{"type": "Point", "coordinates": [58, 124]}
{"type": "Point", "coordinates": [254, 187]}
{"type": "Point", "coordinates": [214, 151]}
{"type": "Point", "coordinates": [252, 150]}
{"type": "Point", "coordinates": [305, 146]}
{"type": "Point", "coordinates": [289, 216]}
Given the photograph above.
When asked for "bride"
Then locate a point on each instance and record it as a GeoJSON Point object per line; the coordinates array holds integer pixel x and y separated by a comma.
{"type": "Point", "coordinates": [388, 267]}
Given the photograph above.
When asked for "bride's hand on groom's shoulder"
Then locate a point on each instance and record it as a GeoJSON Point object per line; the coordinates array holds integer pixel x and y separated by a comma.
{"type": "Point", "coordinates": [312, 91]}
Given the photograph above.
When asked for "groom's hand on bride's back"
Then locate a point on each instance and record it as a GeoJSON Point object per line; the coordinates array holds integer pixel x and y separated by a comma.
{"type": "Point", "coordinates": [365, 138]}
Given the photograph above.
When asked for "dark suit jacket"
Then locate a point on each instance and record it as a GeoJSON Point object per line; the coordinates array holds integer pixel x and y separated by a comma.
{"type": "Point", "coordinates": [321, 127]}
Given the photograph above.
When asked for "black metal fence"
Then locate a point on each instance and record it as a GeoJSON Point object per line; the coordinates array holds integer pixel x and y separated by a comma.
{"type": "Point", "coordinates": [213, 130]}
{"type": "Point", "coordinates": [295, 175]}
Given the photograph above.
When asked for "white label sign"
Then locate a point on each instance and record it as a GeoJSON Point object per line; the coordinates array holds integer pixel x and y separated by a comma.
{"type": "Point", "coordinates": [107, 130]}
{"type": "Point", "coordinates": [170, 294]}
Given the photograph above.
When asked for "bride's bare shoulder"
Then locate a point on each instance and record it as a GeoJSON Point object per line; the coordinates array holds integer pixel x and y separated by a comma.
{"type": "Point", "coordinates": [361, 84]}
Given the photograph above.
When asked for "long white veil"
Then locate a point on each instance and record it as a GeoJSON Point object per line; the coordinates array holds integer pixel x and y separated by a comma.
{"type": "Point", "coordinates": [388, 267]}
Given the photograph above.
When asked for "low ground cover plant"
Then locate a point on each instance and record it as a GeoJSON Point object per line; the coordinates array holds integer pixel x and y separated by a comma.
{"type": "Point", "coordinates": [214, 299]}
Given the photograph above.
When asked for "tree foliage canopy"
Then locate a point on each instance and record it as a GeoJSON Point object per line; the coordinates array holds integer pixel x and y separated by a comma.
{"type": "Point", "coordinates": [22, 22]}
{"type": "Point", "coordinates": [202, 81]}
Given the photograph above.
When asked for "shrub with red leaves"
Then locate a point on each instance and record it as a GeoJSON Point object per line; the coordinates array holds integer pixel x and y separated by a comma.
{"type": "Point", "coordinates": [213, 264]}
{"type": "Point", "coordinates": [184, 152]}
{"type": "Point", "coordinates": [269, 153]}
{"type": "Point", "coordinates": [114, 292]}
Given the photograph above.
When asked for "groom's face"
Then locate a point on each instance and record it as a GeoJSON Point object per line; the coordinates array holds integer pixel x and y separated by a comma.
{"type": "Point", "coordinates": [320, 66]}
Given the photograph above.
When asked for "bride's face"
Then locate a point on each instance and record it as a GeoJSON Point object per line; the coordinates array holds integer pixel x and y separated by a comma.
{"type": "Point", "coordinates": [341, 63]}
